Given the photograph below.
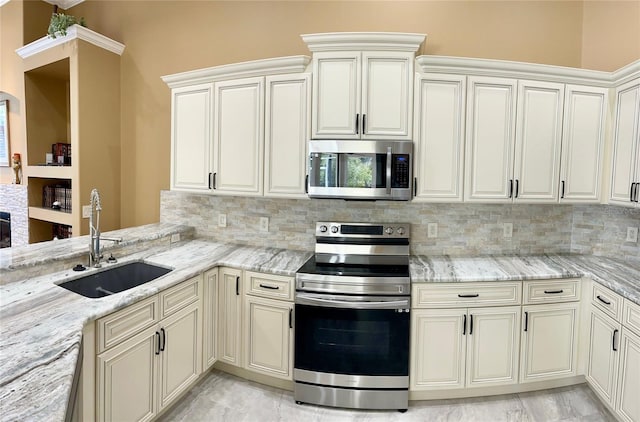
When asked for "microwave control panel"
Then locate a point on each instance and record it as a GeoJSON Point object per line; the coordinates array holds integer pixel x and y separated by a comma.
{"type": "Point", "coordinates": [400, 171]}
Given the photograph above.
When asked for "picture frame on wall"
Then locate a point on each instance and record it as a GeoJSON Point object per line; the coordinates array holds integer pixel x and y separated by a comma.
{"type": "Point", "coordinates": [4, 133]}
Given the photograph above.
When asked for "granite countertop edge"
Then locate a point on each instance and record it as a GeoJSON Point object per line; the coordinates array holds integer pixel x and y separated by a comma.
{"type": "Point", "coordinates": [38, 357]}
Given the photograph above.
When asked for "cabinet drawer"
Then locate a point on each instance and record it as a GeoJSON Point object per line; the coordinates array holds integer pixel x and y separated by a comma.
{"type": "Point", "coordinates": [268, 285]}
{"type": "Point", "coordinates": [177, 297]}
{"type": "Point", "coordinates": [631, 316]}
{"type": "Point", "coordinates": [123, 324]}
{"type": "Point", "coordinates": [607, 301]}
{"type": "Point", "coordinates": [448, 295]}
{"type": "Point", "coordinates": [550, 291]}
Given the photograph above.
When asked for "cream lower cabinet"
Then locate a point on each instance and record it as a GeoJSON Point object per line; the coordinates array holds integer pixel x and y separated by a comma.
{"type": "Point", "coordinates": [268, 325]}
{"type": "Point", "coordinates": [613, 366]}
{"type": "Point", "coordinates": [143, 374]}
{"type": "Point", "coordinates": [549, 341]}
{"type": "Point", "coordinates": [458, 348]}
{"type": "Point", "coordinates": [210, 319]}
{"type": "Point", "coordinates": [230, 316]}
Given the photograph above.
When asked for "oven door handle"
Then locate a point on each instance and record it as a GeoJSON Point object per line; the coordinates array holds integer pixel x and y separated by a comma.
{"type": "Point", "coordinates": [389, 158]}
{"type": "Point", "coordinates": [332, 303]}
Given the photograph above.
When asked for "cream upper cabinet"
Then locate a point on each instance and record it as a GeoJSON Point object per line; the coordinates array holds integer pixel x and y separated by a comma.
{"type": "Point", "coordinates": [230, 316]}
{"type": "Point", "coordinates": [238, 136]}
{"type": "Point", "coordinates": [439, 137]}
{"type": "Point", "coordinates": [538, 141]}
{"type": "Point", "coordinates": [362, 94]}
{"type": "Point", "coordinates": [585, 110]}
{"type": "Point", "coordinates": [191, 137]}
{"type": "Point", "coordinates": [287, 130]}
{"type": "Point", "coordinates": [457, 348]}
{"type": "Point", "coordinates": [514, 133]}
{"type": "Point", "coordinates": [549, 341]}
{"type": "Point", "coordinates": [625, 175]}
{"type": "Point", "coordinates": [491, 116]}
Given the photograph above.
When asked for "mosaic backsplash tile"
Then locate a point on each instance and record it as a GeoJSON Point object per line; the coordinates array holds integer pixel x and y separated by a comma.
{"type": "Point", "coordinates": [13, 199]}
{"type": "Point", "coordinates": [463, 229]}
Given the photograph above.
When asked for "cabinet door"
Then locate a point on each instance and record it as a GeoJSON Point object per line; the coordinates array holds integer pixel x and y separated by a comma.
{"type": "Point", "coordinates": [191, 138]}
{"type": "Point", "coordinates": [229, 315]}
{"type": "Point", "coordinates": [438, 348]}
{"type": "Point", "coordinates": [582, 143]}
{"type": "Point", "coordinates": [336, 95]}
{"type": "Point", "coordinates": [287, 121]}
{"type": "Point", "coordinates": [126, 379]}
{"type": "Point", "coordinates": [439, 135]}
{"type": "Point", "coordinates": [181, 353]}
{"type": "Point", "coordinates": [625, 149]}
{"type": "Point", "coordinates": [493, 346]}
{"type": "Point", "coordinates": [239, 136]}
{"type": "Point", "coordinates": [538, 138]}
{"type": "Point", "coordinates": [491, 114]}
{"type": "Point", "coordinates": [549, 340]}
{"type": "Point", "coordinates": [268, 329]}
{"type": "Point", "coordinates": [387, 87]}
{"type": "Point", "coordinates": [209, 318]}
{"type": "Point", "coordinates": [602, 364]}
{"type": "Point", "coordinates": [628, 401]}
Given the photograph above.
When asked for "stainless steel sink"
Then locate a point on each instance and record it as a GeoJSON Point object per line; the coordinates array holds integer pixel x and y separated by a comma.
{"type": "Point", "coordinates": [115, 279]}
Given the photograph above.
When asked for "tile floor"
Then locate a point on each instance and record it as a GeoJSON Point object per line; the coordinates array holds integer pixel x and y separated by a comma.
{"type": "Point", "coordinates": [223, 397]}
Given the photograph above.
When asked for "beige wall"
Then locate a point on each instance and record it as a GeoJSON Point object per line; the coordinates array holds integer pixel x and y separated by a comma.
{"type": "Point", "coordinates": [611, 34]}
{"type": "Point", "coordinates": [165, 37]}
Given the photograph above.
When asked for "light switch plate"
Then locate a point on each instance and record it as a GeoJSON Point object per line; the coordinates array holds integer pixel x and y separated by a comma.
{"type": "Point", "coordinates": [632, 234]}
{"type": "Point", "coordinates": [507, 230]}
{"type": "Point", "coordinates": [86, 211]}
{"type": "Point", "coordinates": [222, 220]}
{"type": "Point", "coordinates": [432, 230]}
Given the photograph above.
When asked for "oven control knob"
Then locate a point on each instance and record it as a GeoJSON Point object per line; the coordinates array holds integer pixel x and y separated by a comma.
{"type": "Point", "coordinates": [323, 229]}
{"type": "Point", "coordinates": [334, 229]}
{"type": "Point", "coordinates": [389, 230]}
{"type": "Point", "coordinates": [400, 231]}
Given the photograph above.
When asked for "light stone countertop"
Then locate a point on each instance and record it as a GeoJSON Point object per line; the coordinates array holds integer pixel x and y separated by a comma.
{"type": "Point", "coordinates": [621, 277]}
{"type": "Point", "coordinates": [41, 324]}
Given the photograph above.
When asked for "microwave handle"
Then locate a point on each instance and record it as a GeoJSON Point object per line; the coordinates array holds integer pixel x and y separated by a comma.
{"type": "Point", "coordinates": [388, 170]}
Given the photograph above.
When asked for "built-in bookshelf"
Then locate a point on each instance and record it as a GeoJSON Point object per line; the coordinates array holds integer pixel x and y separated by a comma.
{"type": "Point", "coordinates": [72, 110]}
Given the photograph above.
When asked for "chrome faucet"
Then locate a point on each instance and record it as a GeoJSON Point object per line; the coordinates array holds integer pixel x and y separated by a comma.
{"type": "Point", "coordinates": [94, 231]}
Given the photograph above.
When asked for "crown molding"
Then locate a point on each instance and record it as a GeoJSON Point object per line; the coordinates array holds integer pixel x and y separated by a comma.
{"type": "Point", "coordinates": [386, 41]}
{"type": "Point", "coordinates": [64, 4]}
{"type": "Point", "coordinates": [275, 66]}
{"type": "Point", "coordinates": [520, 70]}
{"type": "Point", "coordinates": [73, 32]}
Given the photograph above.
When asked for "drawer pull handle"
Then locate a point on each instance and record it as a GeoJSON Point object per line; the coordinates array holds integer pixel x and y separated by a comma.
{"type": "Point", "coordinates": [613, 346]}
{"type": "Point", "coordinates": [606, 302]}
{"type": "Point", "coordinates": [553, 292]}
{"type": "Point", "coordinates": [266, 286]}
{"type": "Point", "coordinates": [469, 295]}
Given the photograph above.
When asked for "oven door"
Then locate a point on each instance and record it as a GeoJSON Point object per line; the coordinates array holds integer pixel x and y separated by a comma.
{"type": "Point", "coordinates": [352, 341]}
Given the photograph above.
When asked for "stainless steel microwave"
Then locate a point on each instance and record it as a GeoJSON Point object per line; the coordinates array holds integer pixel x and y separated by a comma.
{"type": "Point", "coordinates": [360, 169]}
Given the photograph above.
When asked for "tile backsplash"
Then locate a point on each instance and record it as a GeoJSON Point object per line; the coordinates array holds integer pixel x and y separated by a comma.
{"type": "Point", "coordinates": [13, 199]}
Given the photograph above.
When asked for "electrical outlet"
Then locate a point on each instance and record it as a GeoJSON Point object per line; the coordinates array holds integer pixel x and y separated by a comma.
{"type": "Point", "coordinates": [222, 220]}
{"type": "Point", "coordinates": [86, 211]}
{"type": "Point", "coordinates": [432, 230]}
{"type": "Point", "coordinates": [507, 230]}
{"type": "Point", "coordinates": [264, 224]}
{"type": "Point", "coordinates": [175, 237]}
{"type": "Point", "coordinates": [632, 234]}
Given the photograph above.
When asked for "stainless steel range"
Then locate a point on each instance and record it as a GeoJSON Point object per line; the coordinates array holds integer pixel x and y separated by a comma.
{"type": "Point", "coordinates": [352, 318]}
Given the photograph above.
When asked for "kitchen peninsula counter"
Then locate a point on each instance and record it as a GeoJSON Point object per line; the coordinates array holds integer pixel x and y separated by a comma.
{"type": "Point", "coordinates": [41, 324]}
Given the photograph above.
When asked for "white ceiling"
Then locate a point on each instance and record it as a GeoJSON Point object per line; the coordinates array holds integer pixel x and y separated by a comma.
{"type": "Point", "coordinates": [62, 4]}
